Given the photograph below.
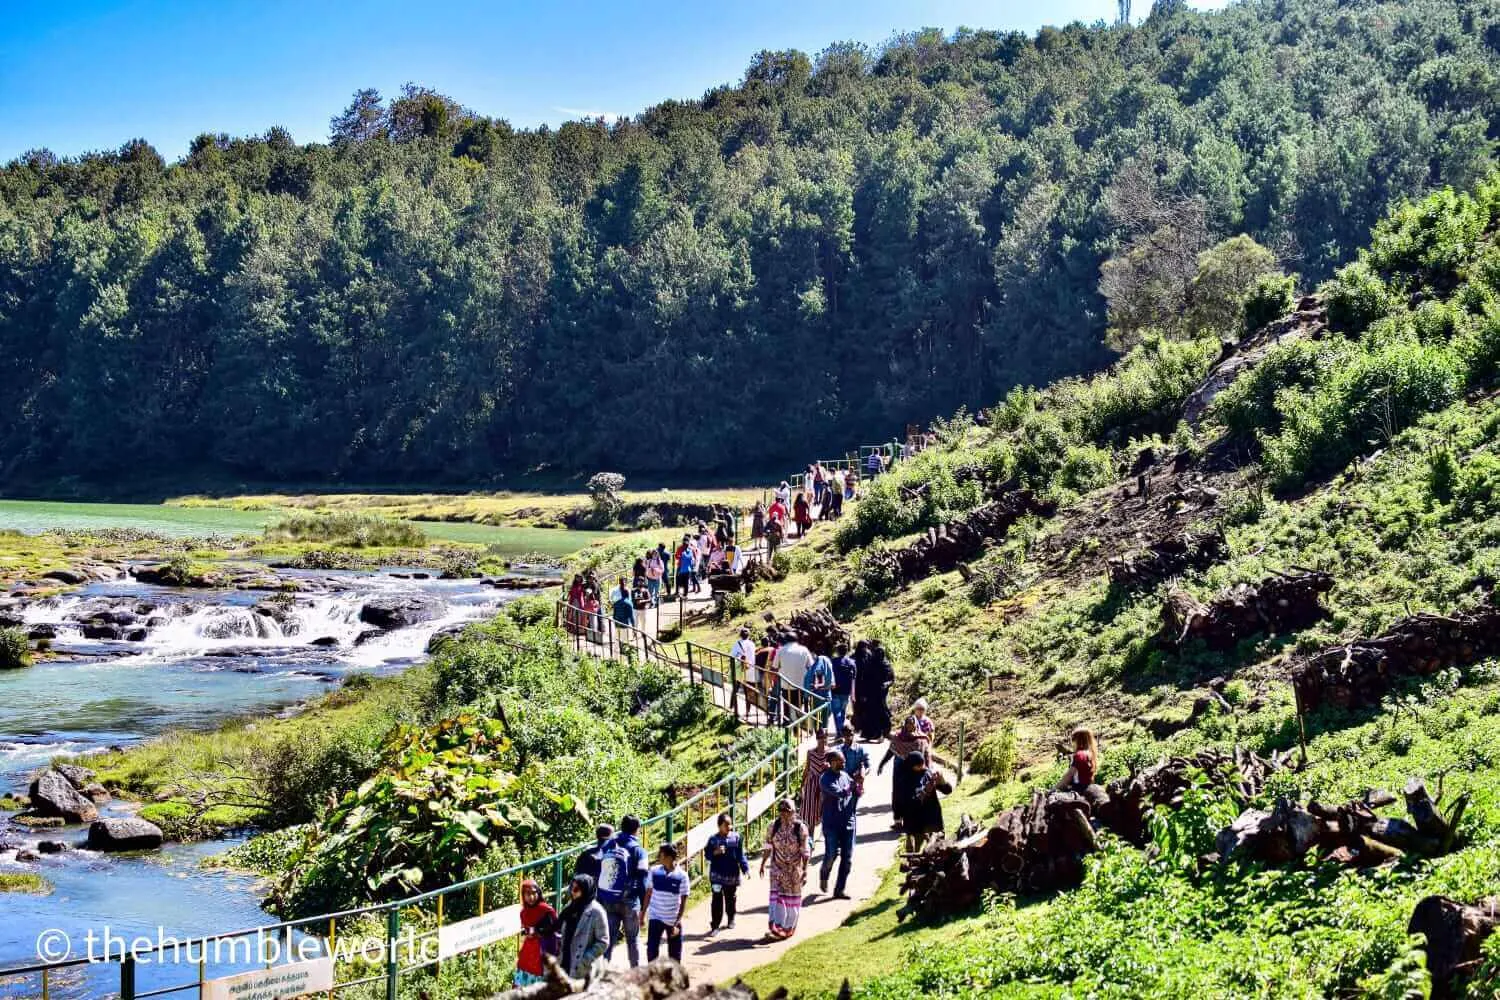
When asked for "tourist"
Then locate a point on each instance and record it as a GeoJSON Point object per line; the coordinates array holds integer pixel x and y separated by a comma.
{"type": "Point", "coordinates": [838, 811]}
{"type": "Point", "coordinates": [784, 493]}
{"type": "Point", "coordinates": [923, 809]}
{"type": "Point", "coordinates": [666, 901]}
{"type": "Point", "coordinates": [726, 866]}
{"type": "Point", "coordinates": [787, 853]}
{"type": "Point", "coordinates": [810, 801]}
{"type": "Point", "coordinates": [624, 609]}
{"type": "Point", "coordinates": [655, 570]}
{"type": "Point", "coordinates": [687, 562]}
{"type": "Point", "coordinates": [705, 550]}
{"type": "Point", "coordinates": [593, 614]}
{"type": "Point", "coordinates": [791, 662]}
{"type": "Point", "coordinates": [810, 482]}
{"type": "Point", "coordinates": [757, 523]}
{"type": "Point", "coordinates": [539, 926]}
{"type": "Point", "coordinates": [622, 887]}
{"type": "Point", "coordinates": [1083, 764]}
{"type": "Point", "coordinates": [856, 760]}
{"type": "Point", "coordinates": [589, 862]}
{"type": "Point", "coordinates": [574, 610]}
{"type": "Point", "coordinates": [833, 498]}
{"type": "Point", "coordinates": [844, 677]}
{"type": "Point", "coordinates": [801, 514]}
{"type": "Point", "coordinates": [851, 484]}
{"type": "Point", "coordinates": [873, 678]}
{"type": "Point", "coordinates": [585, 935]}
{"type": "Point", "coordinates": [819, 484]}
{"type": "Point", "coordinates": [743, 651]}
{"type": "Point", "coordinates": [777, 515]}
{"type": "Point", "coordinates": [873, 465]}
{"type": "Point", "coordinates": [924, 721]}
{"type": "Point", "coordinates": [667, 566]}
{"type": "Point", "coordinates": [904, 743]}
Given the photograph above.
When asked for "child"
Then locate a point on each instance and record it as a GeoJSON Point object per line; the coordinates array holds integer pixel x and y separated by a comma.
{"type": "Point", "coordinates": [666, 900]}
{"type": "Point", "coordinates": [726, 865]}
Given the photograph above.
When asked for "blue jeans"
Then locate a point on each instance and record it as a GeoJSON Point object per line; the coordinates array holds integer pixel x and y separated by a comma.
{"type": "Point", "coordinates": [653, 587]}
{"type": "Point", "coordinates": [625, 921]}
{"type": "Point", "coordinates": [839, 705]}
{"type": "Point", "coordinates": [838, 843]}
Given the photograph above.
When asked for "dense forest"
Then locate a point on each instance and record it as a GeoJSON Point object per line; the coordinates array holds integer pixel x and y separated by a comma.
{"type": "Point", "coordinates": [834, 246]}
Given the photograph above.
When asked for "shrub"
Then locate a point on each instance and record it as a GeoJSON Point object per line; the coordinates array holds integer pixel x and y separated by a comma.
{"type": "Point", "coordinates": [1086, 467]}
{"type": "Point", "coordinates": [348, 529]}
{"type": "Point", "coordinates": [1442, 475]}
{"type": "Point", "coordinates": [1356, 297]}
{"type": "Point", "coordinates": [1271, 297]}
{"type": "Point", "coordinates": [997, 754]}
{"type": "Point", "coordinates": [15, 648]}
{"type": "Point", "coordinates": [648, 520]}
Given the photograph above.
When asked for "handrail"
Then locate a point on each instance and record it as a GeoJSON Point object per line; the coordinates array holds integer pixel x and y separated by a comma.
{"type": "Point", "coordinates": [783, 763]}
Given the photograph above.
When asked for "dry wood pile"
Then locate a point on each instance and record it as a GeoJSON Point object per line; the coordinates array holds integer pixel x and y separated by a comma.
{"type": "Point", "coordinates": [1455, 934]}
{"type": "Point", "coordinates": [1351, 834]}
{"type": "Point", "coordinates": [1040, 846]}
{"type": "Point", "coordinates": [945, 547]}
{"type": "Point", "coordinates": [661, 980]}
{"type": "Point", "coordinates": [1281, 603]}
{"type": "Point", "coordinates": [819, 631]}
{"type": "Point", "coordinates": [1035, 847]}
{"type": "Point", "coordinates": [1360, 673]}
{"type": "Point", "coordinates": [1166, 557]}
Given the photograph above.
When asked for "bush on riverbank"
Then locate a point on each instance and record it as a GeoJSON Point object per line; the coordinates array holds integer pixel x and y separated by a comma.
{"type": "Point", "coordinates": [358, 531]}
{"type": "Point", "coordinates": [15, 649]}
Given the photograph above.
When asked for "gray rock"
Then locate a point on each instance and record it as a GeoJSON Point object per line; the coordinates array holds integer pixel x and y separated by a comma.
{"type": "Point", "coordinates": [390, 611]}
{"type": "Point", "coordinates": [124, 833]}
{"type": "Point", "coordinates": [52, 794]}
{"type": "Point", "coordinates": [96, 793]}
{"type": "Point", "coordinates": [51, 846]}
{"type": "Point", "coordinates": [26, 854]}
{"type": "Point", "coordinates": [68, 576]}
{"type": "Point", "coordinates": [101, 631]}
{"type": "Point", "coordinates": [77, 774]}
{"type": "Point", "coordinates": [41, 631]}
{"type": "Point", "coordinates": [325, 641]}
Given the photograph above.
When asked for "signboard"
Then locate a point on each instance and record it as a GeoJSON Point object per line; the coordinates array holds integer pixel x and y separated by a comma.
{"type": "Point", "coordinates": [761, 801]}
{"type": "Point", "coordinates": [294, 979]}
{"type": "Point", "coordinates": [466, 935]}
{"type": "Point", "coordinates": [697, 838]}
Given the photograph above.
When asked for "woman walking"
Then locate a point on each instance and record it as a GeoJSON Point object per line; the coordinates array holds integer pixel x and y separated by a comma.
{"type": "Point", "coordinates": [903, 744]}
{"type": "Point", "coordinates": [539, 927]}
{"type": "Point", "coordinates": [872, 680]}
{"type": "Point", "coordinates": [585, 928]}
{"type": "Point", "coordinates": [788, 853]}
{"type": "Point", "coordinates": [802, 514]}
{"type": "Point", "coordinates": [810, 801]}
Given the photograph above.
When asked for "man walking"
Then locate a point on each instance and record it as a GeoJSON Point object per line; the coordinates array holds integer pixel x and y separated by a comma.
{"type": "Point", "coordinates": [666, 901]}
{"type": "Point", "coordinates": [590, 862]}
{"type": "Point", "coordinates": [792, 661]}
{"type": "Point", "coordinates": [622, 888]}
{"type": "Point", "coordinates": [843, 686]}
{"type": "Point", "coordinates": [856, 760]}
{"type": "Point", "coordinates": [839, 805]}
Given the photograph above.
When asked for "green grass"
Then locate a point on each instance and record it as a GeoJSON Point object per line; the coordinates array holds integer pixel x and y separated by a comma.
{"type": "Point", "coordinates": [346, 528]}
{"type": "Point", "coordinates": [24, 882]}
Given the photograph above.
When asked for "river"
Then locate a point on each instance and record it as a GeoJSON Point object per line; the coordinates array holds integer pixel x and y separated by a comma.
{"type": "Point", "coordinates": [197, 658]}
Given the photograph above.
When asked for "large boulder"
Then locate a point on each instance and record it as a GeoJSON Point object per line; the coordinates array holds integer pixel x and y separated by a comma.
{"type": "Point", "coordinates": [390, 611]}
{"type": "Point", "coordinates": [77, 774]}
{"type": "Point", "coordinates": [68, 576]}
{"type": "Point", "coordinates": [52, 794]}
{"type": "Point", "coordinates": [124, 833]}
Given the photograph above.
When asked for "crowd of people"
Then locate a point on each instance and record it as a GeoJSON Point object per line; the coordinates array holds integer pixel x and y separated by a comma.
{"type": "Point", "coordinates": [616, 891]}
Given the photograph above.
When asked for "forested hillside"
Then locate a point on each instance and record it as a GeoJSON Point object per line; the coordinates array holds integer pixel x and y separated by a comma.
{"type": "Point", "coordinates": [834, 246]}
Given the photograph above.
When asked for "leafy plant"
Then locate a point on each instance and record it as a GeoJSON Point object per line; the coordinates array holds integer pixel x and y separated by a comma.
{"type": "Point", "coordinates": [15, 648]}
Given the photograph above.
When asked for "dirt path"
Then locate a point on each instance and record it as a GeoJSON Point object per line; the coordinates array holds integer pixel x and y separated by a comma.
{"type": "Point", "coordinates": [731, 953]}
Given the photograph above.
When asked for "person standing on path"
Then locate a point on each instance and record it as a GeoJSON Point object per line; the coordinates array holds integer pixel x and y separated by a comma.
{"type": "Point", "coordinates": [538, 935]}
{"type": "Point", "coordinates": [791, 663]}
{"type": "Point", "coordinates": [585, 932]}
{"type": "Point", "coordinates": [838, 814]}
{"type": "Point", "coordinates": [666, 900]}
{"type": "Point", "coordinates": [844, 677]}
{"type": "Point", "coordinates": [726, 866]}
{"type": "Point", "coordinates": [925, 725]}
{"type": "Point", "coordinates": [810, 804]}
{"type": "Point", "coordinates": [622, 887]}
{"type": "Point", "coordinates": [787, 853]}
{"type": "Point", "coordinates": [589, 862]}
{"type": "Point", "coordinates": [655, 570]}
{"type": "Point", "coordinates": [687, 564]}
{"type": "Point", "coordinates": [743, 652]}
{"type": "Point", "coordinates": [623, 609]}
{"type": "Point", "coordinates": [802, 515]}
{"type": "Point", "coordinates": [904, 743]}
{"type": "Point", "coordinates": [856, 760]}
{"type": "Point", "coordinates": [923, 808]}
{"type": "Point", "coordinates": [872, 679]}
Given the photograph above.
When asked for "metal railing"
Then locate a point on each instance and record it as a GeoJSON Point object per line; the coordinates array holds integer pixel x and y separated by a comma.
{"type": "Point", "coordinates": [408, 934]}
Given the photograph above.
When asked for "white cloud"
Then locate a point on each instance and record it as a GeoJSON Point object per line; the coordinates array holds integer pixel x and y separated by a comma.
{"type": "Point", "coordinates": [576, 113]}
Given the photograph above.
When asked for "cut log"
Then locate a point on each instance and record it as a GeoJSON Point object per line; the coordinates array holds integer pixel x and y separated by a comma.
{"type": "Point", "coordinates": [1424, 811]}
{"type": "Point", "coordinates": [1454, 933]}
{"type": "Point", "coordinates": [1283, 602]}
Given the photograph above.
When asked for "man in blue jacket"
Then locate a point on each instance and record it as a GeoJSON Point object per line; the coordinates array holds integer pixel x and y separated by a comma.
{"type": "Point", "coordinates": [839, 806]}
{"type": "Point", "coordinates": [622, 887]}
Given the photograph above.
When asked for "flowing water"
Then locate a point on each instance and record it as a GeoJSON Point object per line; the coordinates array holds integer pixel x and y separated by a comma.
{"type": "Point", "coordinates": [196, 659]}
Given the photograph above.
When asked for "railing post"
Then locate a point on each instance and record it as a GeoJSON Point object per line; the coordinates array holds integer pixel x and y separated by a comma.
{"type": "Point", "coordinates": [392, 967]}
{"type": "Point", "coordinates": [733, 799]}
{"type": "Point", "coordinates": [734, 688]}
{"type": "Point", "coordinates": [557, 882]}
{"type": "Point", "coordinates": [960, 749]}
{"type": "Point", "coordinates": [671, 827]}
{"type": "Point", "coordinates": [690, 662]}
{"type": "Point", "coordinates": [127, 977]}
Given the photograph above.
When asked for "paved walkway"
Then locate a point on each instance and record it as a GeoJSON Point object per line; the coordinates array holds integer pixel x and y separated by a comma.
{"type": "Point", "coordinates": [730, 954]}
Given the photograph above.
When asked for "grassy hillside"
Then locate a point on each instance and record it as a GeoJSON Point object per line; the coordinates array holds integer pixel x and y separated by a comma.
{"type": "Point", "coordinates": [1355, 436]}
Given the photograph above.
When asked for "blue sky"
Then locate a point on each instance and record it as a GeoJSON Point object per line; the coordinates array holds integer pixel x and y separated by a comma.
{"type": "Point", "coordinates": [78, 75]}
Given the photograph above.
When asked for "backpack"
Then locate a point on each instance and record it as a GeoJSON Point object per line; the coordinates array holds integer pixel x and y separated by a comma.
{"type": "Point", "coordinates": [614, 873]}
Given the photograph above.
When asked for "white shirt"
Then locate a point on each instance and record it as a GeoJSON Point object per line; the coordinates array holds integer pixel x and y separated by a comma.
{"type": "Point", "coordinates": [792, 661]}
{"type": "Point", "coordinates": [744, 651]}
